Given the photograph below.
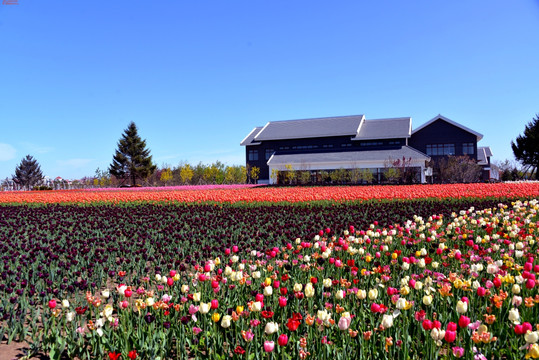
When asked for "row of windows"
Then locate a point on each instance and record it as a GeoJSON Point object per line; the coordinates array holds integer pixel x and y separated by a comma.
{"type": "Point", "coordinates": [440, 149]}
{"type": "Point", "coordinates": [372, 143]}
{"type": "Point", "coordinates": [448, 149]}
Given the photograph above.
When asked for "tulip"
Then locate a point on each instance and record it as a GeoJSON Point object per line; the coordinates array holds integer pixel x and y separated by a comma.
{"type": "Point", "coordinates": [514, 315]}
{"type": "Point", "coordinates": [427, 300]}
{"type": "Point", "coordinates": [531, 337]}
{"type": "Point", "coordinates": [205, 308]}
{"type": "Point", "coordinates": [196, 296]}
{"type": "Point", "coordinates": [282, 340]}
{"type": "Point", "coordinates": [70, 316]}
{"type": "Point", "coordinates": [450, 336]}
{"type": "Point", "coordinates": [215, 317]}
{"type": "Point", "coordinates": [65, 303]}
{"type": "Point", "coordinates": [282, 301]}
{"type": "Point", "coordinates": [387, 321]}
{"type": "Point", "coordinates": [257, 306]}
{"type": "Point", "coordinates": [361, 294]}
{"type": "Point", "coordinates": [401, 303]}
{"type": "Point", "coordinates": [464, 321]}
{"type": "Point", "coordinates": [269, 346]}
{"type": "Point", "coordinates": [462, 307]}
{"type": "Point", "coordinates": [268, 291]}
{"type": "Point", "coordinates": [271, 328]}
{"type": "Point", "coordinates": [344, 322]}
{"type": "Point", "coordinates": [52, 304]}
{"type": "Point", "coordinates": [427, 325]}
{"type": "Point", "coordinates": [309, 290]}
{"type": "Point", "coordinates": [226, 321]}
{"type": "Point", "coordinates": [214, 304]}
{"type": "Point", "coordinates": [481, 291]}
{"type": "Point", "coordinates": [124, 304]}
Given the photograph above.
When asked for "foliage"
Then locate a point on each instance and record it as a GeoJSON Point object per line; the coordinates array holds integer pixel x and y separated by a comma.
{"type": "Point", "coordinates": [28, 172]}
{"type": "Point", "coordinates": [166, 175]}
{"type": "Point", "coordinates": [457, 169]}
{"type": "Point", "coordinates": [254, 173]}
{"type": "Point", "coordinates": [339, 176]}
{"type": "Point", "coordinates": [366, 176]}
{"type": "Point", "coordinates": [392, 175]}
{"type": "Point", "coordinates": [289, 174]}
{"type": "Point", "coordinates": [304, 176]}
{"type": "Point", "coordinates": [526, 146]}
{"type": "Point", "coordinates": [132, 159]}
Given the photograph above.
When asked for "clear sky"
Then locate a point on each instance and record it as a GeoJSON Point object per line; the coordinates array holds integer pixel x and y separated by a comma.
{"type": "Point", "coordinates": [197, 76]}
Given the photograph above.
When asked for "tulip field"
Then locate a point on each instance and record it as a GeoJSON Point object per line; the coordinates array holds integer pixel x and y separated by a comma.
{"type": "Point", "coordinates": [424, 272]}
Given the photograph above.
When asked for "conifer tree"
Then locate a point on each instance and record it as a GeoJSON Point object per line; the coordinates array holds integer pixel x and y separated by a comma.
{"type": "Point", "coordinates": [526, 147]}
{"type": "Point", "coordinates": [132, 159]}
{"type": "Point", "coordinates": [28, 172]}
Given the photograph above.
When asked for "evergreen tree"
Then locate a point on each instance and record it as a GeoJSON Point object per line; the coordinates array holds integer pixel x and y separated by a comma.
{"type": "Point", "coordinates": [28, 172]}
{"type": "Point", "coordinates": [526, 147]}
{"type": "Point", "coordinates": [132, 160]}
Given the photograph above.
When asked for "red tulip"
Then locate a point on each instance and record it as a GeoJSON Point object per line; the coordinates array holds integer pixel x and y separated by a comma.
{"type": "Point", "coordinates": [464, 321]}
{"type": "Point", "coordinates": [114, 355]}
{"type": "Point", "coordinates": [450, 336]}
{"type": "Point", "coordinates": [52, 304]}
{"type": "Point", "coordinates": [481, 291]}
{"type": "Point", "coordinates": [282, 340]}
{"type": "Point", "coordinates": [427, 324]}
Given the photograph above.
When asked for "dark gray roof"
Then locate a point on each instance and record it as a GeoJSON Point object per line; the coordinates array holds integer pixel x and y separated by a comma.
{"type": "Point", "coordinates": [440, 117]}
{"type": "Point", "coordinates": [310, 128]}
{"type": "Point", "coordinates": [385, 129]}
{"type": "Point", "coordinates": [249, 138]}
{"type": "Point", "coordinates": [348, 156]}
{"type": "Point", "coordinates": [483, 153]}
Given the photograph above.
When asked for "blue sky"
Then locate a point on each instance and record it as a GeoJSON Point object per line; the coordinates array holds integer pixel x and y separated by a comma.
{"type": "Point", "coordinates": [197, 76]}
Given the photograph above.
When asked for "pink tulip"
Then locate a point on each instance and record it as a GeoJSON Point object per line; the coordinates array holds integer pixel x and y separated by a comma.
{"type": "Point", "coordinates": [269, 346]}
{"type": "Point", "coordinates": [344, 323]}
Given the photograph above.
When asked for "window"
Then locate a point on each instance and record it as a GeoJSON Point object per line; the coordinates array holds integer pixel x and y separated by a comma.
{"type": "Point", "coordinates": [395, 142]}
{"type": "Point", "coordinates": [284, 148]}
{"type": "Point", "coordinates": [468, 149]}
{"type": "Point", "coordinates": [371, 143]}
{"type": "Point", "coordinates": [346, 145]}
{"type": "Point", "coordinates": [327, 145]}
{"type": "Point", "coordinates": [269, 152]}
{"type": "Point", "coordinates": [440, 149]}
{"type": "Point", "coordinates": [253, 155]}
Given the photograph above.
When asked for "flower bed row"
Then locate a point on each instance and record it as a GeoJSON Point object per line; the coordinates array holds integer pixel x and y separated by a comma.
{"type": "Point", "coordinates": [456, 285]}
{"type": "Point", "coordinates": [273, 194]}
